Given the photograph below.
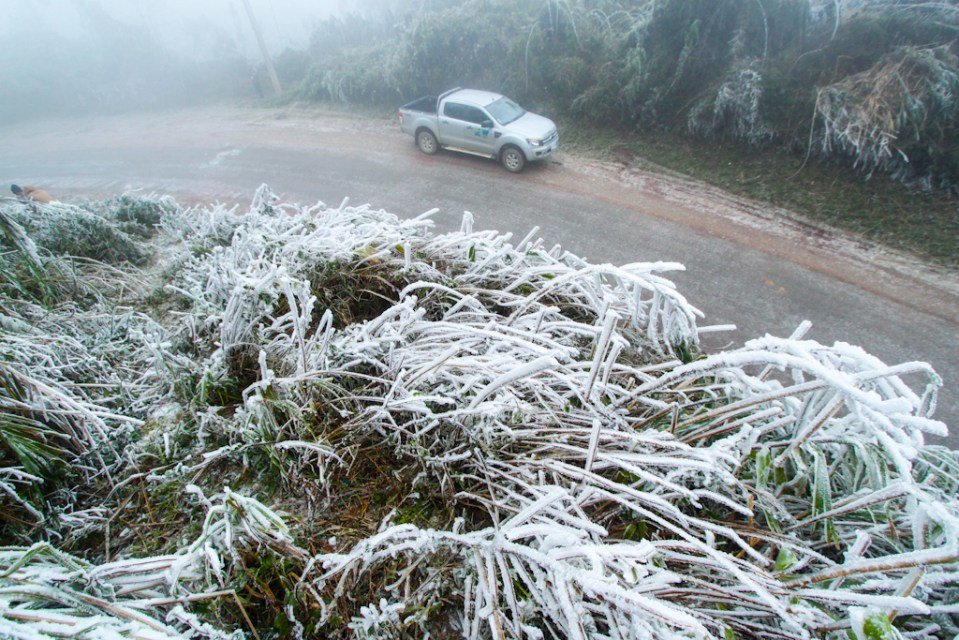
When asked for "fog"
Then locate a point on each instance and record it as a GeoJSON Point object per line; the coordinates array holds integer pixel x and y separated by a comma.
{"type": "Point", "coordinates": [197, 28]}
{"type": "Point", "coordinates": [62, 56]}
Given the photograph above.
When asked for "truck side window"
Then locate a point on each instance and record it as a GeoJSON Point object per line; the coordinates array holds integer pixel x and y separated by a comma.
{"type": "Point", "coordinates": [464, 112]}
{"type": "Point", "coordinates": [455, 110]}
{"type": "Point", "coordinates": [475, 115]}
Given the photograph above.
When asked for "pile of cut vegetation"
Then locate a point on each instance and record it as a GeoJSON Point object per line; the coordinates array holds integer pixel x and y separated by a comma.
{"type": "Point", "coordinates": [330, 422]}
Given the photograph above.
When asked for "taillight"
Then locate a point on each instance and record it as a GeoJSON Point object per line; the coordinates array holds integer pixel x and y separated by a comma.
{"type": "Point", "coordinates": [399, 114]}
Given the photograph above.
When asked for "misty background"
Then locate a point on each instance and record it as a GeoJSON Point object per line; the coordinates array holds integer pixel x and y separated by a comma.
{"type": "Point", "coordinates": [69, 56]}
{"type": "Point", "coordinates": [871, 84]}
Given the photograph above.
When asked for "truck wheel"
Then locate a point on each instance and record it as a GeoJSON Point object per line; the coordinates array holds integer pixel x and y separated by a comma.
{"type": "Point", "coordinates": [426, 141]}
{"type": "Point", "coordinates": [513, 159]}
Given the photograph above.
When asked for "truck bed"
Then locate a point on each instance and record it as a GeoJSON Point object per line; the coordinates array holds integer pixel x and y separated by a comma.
{"type": "Point", "coordinates": [426, 104]}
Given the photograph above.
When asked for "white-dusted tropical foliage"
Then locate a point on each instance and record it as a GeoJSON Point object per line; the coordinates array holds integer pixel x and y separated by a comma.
{"type": "Point", "coordinates": [314, 421]}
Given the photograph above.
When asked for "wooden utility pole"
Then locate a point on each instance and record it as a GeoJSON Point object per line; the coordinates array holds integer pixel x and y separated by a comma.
{"type": "Point", "coordinates": [262, 43]}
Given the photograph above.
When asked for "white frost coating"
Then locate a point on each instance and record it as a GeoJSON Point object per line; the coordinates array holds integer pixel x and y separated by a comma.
{"type": "Point", "coordinates": [45, 593]}
{"type": "Point", "coordinates": [524, 371]}
{"type": "Point", "coordinates": [377, 621]}
{"type": "Point", "coordinates": [591, 484]}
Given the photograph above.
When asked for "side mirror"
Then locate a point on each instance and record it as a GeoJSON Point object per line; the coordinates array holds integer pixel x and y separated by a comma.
{"type": "Point", "coordinates": [487, 124]}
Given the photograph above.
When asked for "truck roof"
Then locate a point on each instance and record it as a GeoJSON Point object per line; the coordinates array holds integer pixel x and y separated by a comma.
{"type": "Point", "coordinates": [475, 96]}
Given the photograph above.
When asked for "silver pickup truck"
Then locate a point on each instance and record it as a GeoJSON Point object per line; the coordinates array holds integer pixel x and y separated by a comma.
{"type": "Point", "coordinates": [481, 123]}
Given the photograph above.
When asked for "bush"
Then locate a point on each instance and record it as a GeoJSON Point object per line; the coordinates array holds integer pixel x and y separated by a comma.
{"type": "Point", "coordinates": [137, 215]}
{"type": "Point", "coordinates": [291, 66]}
{"type": "Point", "coordinates": [899, 116]}
{"type": "Point", "coordinates": [107, 231]}
{"type": "Point", "coordinates": [66, 230]}
{"type": "Point", "coordinates": [464, 434]}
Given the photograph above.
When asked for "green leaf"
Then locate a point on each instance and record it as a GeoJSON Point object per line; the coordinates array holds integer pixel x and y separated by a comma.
{"type": "Point", "coordinates": [763, 466]}
{"type": "Point", "coordinates": [822, 495]}
{"type": "Point", "coordinates": [636, 531]}
{"type": "Point", "coordinates": [785, 560]}
{"type": "Point", "coordinates": [878, 627]}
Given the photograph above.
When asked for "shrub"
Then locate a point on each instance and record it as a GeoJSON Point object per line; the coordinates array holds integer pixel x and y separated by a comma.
{"type": "Point", "coordinates": [467, 437]}
{"type": "Point", "coordinates": [735, 110]}
{"type": "Point", "coordinates": [898, 117]}
{"type": "Point", "coordinates": [68, 230]}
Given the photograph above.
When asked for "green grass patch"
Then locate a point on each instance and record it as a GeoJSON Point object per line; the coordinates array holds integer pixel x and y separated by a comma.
{"type": "Point", "coordinates": [889, 213]}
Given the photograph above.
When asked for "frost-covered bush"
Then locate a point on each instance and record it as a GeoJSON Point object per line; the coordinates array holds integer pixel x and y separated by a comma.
{"type": "Point", "coordinates": [734, 110]}
{"type": "Point", "coordinates": [45, 593]}
{"type": "Point", "coordinates": [139, 215]}
{"type": "Point", "coordinates": [75, 374]}
{"type": "Point", "coordinates": [473, 436]}
{"type": "Point", "coordinates": [70, 230]}
{"type": "Point", "coordinates": [551, 468]}
{"type": "Point", "coordinates": [902, 110]}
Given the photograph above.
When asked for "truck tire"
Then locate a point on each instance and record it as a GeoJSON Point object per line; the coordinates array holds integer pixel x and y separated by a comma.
{"type": "Point", "coordinates": [512, 158]}
{"type": "Point", "coordinates": [426, 142]}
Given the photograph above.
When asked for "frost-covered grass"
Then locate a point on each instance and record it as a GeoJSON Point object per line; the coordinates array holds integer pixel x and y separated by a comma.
{"type": "Point", "coordinates": [878, 209]}
{"type": "Point", "coordinates": [330, 422]}
{"type": "Point", "coordinates": [107, 232]}
{"type": "Point", "coordinates": [878, 116]}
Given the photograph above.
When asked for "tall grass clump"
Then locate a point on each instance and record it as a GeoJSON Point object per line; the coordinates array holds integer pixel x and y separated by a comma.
{"type": "Point", "coordinates": [346, 425]}
{"type": "Point", "coordinates": [106, 232]}
{"type": "Point", "coordinates": [74, 356]}
{"type": "Point", "coordinates": [899, 112]}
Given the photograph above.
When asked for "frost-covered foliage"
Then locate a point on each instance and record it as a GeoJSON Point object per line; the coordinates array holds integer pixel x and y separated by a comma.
{"type": "Point", "coordinates": [482, 438]}
{"type": "Point", "coordinates": [743, 70]}
{"type": "Point", "coordinates": [76, 375]}
{"type": "Point", "coordinates": [734, 110]}
{"type": "Point", "coordinates": [46, 593]}
{"type": "Point", "coordinates": [106, 232]}
{"type": "Point", "coordinates": [906, 104]}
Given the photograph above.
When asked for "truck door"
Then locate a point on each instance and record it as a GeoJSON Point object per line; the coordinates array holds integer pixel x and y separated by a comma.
{"type": "Point", "coordinates": [479, 131]}
{"type": "Point", "coordinates": [453, 125]}
{"type": "Point", "coordinates": [461, 125]}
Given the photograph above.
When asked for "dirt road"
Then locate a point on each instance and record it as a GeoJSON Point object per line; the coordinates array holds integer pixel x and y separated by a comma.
{"type": "Point", "coordinates": [762, 269]}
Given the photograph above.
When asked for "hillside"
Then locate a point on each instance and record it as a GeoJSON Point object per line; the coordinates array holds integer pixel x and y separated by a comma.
{"type": "Point", "coordinates": [866, 84]}
{"type": "Point", "coordinates": [332, 422]}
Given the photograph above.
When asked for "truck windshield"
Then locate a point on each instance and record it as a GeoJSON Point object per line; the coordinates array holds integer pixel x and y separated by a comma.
{"type": "Point", "coordinates": [505, 111]}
